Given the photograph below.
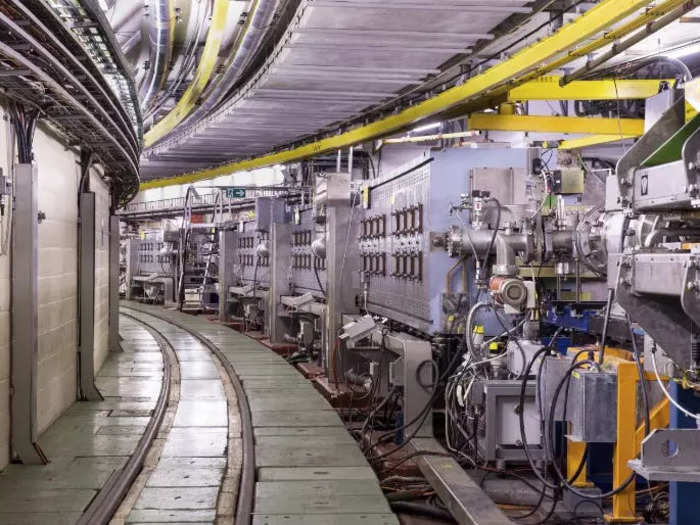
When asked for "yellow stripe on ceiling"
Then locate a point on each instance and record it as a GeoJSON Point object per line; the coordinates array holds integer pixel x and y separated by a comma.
{"type": "Point", "coordinates": [548, 88]}
{"type": "Point", "coordinates": [592, 22]}
{"type": "Point", "coordinates": [593, 140]}
{"type": "Point", "coordinates": [549, 124]}
{"type": "Point", "coordinates": [206, 65]}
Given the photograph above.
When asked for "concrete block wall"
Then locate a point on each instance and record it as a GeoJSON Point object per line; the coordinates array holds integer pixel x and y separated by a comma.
{"type": "Point", "coordinates": [59, 174]}
{"type": "Point", "coordinates": [102, 205]}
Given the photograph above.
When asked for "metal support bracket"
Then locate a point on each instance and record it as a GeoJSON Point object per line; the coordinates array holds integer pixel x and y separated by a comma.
{"type": "Point", "coordinates": [114, 345]}
{"type": "Point", "coordinates": [460, 493]}
{"type": "Point", "coordinates": [86, 279]}
{"type": "Point", "coordinates": [669, 454]}
{"type": "Point", "coordinates": [24, 349]}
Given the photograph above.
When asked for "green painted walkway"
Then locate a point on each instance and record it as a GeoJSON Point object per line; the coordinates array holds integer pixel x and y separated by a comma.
{"type": "Point", "coordinates": [309, 470]}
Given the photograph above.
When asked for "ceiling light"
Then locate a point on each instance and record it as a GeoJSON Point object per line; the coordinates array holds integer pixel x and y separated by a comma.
{"type": "Point", "coordinates": [427, 127]}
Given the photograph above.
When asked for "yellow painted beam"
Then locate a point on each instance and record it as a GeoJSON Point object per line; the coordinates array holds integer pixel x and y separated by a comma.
{"type": "Point", "coordinates": [509, 73]}
{"type": "Point", "coordinates": [548, 88]}
{"type": "Point", "coordinates": [593, 140]}
{"type": "Point", "coordinates": [624, 505]}
{"type": "Point", "coordinates": [541, 124]}
{"type": "Point", "coordinates": [566, 55]}
{"type": "Point", "coordinates": [205, 68]}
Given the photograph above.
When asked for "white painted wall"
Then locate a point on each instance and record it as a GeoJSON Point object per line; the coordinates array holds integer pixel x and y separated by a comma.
{"type": "Point", "coordinates": [59, 174]}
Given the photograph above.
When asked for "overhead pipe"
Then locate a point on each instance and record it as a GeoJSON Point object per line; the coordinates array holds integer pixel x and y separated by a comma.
{"type": "Point", "coordinates": [161, 36]}
{"type": "Point", "coordinates": [533, 61]}
{"type": "Point", "coordinates": [617, 48]}
{"type": "Point", "coordinates": [126, 17]}
{"type": "Point", "coordinates": [245, 47]}
{"type": "Point", "coordinates": [202, 77]}
{"type": "Point", "coordinates": [189, 57]}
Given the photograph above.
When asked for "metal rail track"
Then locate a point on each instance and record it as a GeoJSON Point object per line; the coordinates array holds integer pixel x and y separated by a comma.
{"type": "Point", "coordinates": [246, 491]}
{"type": "Point", "coordinates": [105, 504]}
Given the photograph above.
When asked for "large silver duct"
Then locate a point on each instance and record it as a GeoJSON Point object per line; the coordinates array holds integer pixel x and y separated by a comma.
{"type": "Point", "coordinates": [188, 59]}
{"type": "Point", "coordinates": [235, 66]}
{"type": "Point", "coordinates": [160, 42]}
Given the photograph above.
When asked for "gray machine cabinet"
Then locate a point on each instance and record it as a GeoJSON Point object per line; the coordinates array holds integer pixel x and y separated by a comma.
{"type": "Point", "coordinates": [593, 406]}
{"type": "Point", "coordinates": [500, 438]}
{"type": "Point", "coordinates": [407, 209]}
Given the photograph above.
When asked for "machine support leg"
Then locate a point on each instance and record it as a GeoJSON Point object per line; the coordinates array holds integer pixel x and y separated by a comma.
{"type": "Point", "coordinates": [624, 508]}
{"type": "Point", "coordinates": [86, 278]}
{"type": "Point", "coordinates": [24, 349]}
{"type": "Point", "coordinates": [574, 453]}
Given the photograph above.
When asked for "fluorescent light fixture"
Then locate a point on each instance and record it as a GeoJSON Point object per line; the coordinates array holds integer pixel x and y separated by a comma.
{"type": "Point", "coordinates": [426, 127]}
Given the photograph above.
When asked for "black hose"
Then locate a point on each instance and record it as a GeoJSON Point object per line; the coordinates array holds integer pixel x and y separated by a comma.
{"type": "Point", "coordinates": [521, 421]}
{"type": "Point", "coordinates": [606, 321]}
{"type": "Point", "coordinates": [419, 372]}
{"type": "Point", "coordinates": [642, 379]}
{"type": "Point", "coordinates": [421, 415]}
{"type": "Point", "coordinates": [318, 280]}
{"type": "Point", "coordinates": [555, 500]}
{"type": "Point", "coordinates": [421, 509]}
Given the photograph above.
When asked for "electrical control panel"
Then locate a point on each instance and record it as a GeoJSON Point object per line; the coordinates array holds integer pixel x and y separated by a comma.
{"type": "Point", "coordinates": [405, 211]}
{"type": "Point", "coordinates": [152, 255]}
{"type": "Point", "coordinates": [307, 271]}
{"type": "Point", "coordinates": [250, 262]}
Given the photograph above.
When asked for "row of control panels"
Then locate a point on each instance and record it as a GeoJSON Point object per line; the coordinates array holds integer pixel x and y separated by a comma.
{"type": "Point", "coordinates": [302, 238]}
{"type": "Point", "coordinates": [247, 242]}
{"type": "Point", "coordinates": [306, 261]}
{"type": "Point", "coordinates": [249, 259]}
{"type": "Point", "coordinates": [160, 259]}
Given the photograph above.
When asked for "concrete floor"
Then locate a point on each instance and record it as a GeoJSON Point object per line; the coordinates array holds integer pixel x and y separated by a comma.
{"type": "Point", "coordinates": [185, 483]}
{"type": "Point", "coordinates": [90, 441]}
{"type": "Point", "coordinates": [309, 469]}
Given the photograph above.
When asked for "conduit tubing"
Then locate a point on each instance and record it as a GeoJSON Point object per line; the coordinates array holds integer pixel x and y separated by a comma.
{"type": "Point", "coordinates": [118, 109]}
{"type": "Point", "coordinates": [65, 95]}
{"type": "Point", "coordinates": [202, 76]}
{"type": "Point", "coordinates": [617, 48]}
{"type": "Point", "coordinates": [187, 62]}
{"type": "Point", "coordinates": [245, 47]}
{"type": "Point", "coordinates": [161, 32]}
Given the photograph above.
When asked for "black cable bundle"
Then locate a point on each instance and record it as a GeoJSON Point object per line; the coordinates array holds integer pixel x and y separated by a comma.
{"type": "Point", "coordinates": [25, 123]}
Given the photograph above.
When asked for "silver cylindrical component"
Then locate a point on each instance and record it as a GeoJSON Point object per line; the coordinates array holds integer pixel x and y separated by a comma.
{"type": "Point", "coordinates": [318, 248]}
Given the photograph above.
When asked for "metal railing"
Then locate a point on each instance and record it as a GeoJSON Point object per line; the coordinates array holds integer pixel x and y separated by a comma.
{"type": "Point", "coordinates": [199, 201]}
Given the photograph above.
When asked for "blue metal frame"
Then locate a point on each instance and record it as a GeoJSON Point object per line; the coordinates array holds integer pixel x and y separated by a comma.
{"type": "Point", "coordinates": [684, 498]}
